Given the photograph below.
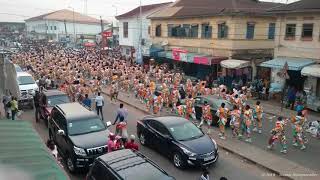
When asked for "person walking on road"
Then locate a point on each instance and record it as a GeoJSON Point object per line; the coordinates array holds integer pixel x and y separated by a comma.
{"type": "Point", "coordinates": [36, 100]}
{"type": "Point", "coordinates": [121, 114]}
{"type": "Point", "coordinates": [99, 104]}
{"type": "Point", "coordinates": [86, 101]}
{"type": "Point", "coordinates": [6, 104]}
{"type": "Point", "coordinates": [205, 174]}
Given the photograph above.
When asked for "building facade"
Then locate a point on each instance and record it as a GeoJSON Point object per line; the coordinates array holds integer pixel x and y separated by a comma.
{"type": "Point", "coordinates": [63, 24]}
{"type": "Point", "coordinates": [130, 26]}
{"type": "Point", "coordinates": [297, 48]}
{"type": "Point", "coordinates": [223, 30]}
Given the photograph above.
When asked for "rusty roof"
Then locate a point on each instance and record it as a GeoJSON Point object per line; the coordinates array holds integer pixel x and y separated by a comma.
{"type": "Point", "coordinates": [146, 8]}
{"type": "Point", "coordinates": [66, 15]}
{"type": "Point", "coordinates": [205, 8]}
{"type": "Point", "coordinates": [298, 6]}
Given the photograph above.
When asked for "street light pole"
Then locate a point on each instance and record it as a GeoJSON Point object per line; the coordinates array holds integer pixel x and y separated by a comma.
{"type": "Point", "coordinates": [139, 54]}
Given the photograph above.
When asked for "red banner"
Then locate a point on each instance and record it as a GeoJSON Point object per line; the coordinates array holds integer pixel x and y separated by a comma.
{"type": "Point", "coordinates": [179, 54]}
{"type": "Point", "coordinates": [107, 34]}
{"type": "Point", "coordinates": [201, 60]}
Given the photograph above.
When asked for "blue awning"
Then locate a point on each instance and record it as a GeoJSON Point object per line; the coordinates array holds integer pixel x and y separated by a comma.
{"type": "Point", "coordinates": [295, 64]}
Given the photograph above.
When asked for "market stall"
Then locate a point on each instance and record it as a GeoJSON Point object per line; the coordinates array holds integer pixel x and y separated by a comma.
{"type": "Point", "coordinates": [236, 73]}
{"type": "Point", "coordinates": [312, 86]}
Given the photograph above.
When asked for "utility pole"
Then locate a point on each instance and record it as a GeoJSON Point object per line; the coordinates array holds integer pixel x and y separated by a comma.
{"type": "Point", "coordinates": [101, 23]}
{"type": "Point", "coordinates": [65, 27]}
{"type": "Point", "coordinates": [139, 53]}
{"type": "Point", "coordinates": [74, 29]}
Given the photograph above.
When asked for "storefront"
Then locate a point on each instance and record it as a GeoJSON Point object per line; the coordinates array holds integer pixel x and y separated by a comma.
{"type": "Point", "coordinates": [312, 86]}
{"type": "Point", "coordinates": [193, 64]}
{"type": "Point", "coordinates": [294, 67]}
{"type": "Point", "coordinates": [235, 73]}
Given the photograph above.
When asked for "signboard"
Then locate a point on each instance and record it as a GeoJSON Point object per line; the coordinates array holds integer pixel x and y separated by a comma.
{"type": "Point", "coordinates": [107, 34]}
{"type": "Point", "coordinates": [179, 55]}
{"type": "Point", "coordinates": [201, 60]}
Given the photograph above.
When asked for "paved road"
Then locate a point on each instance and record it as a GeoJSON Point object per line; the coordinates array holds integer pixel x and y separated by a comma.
{"type": "Point", "coordinates": [229, 165]}
{"type": "Point", "coordinates": [308, 157]}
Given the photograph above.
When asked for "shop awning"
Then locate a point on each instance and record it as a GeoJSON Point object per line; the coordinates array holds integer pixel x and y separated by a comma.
{"type": "Point", "coordinates": [235, 64]}
{"type": "Point", "coordinates": [295, 64]}
{"type": "Point", "coordinates": [313, 70]}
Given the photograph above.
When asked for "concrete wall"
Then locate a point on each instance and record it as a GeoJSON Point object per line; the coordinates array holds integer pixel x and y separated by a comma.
{"type": "Point", "coordinates": [236, 39]}
{"type": "Point", "coordinates": [78, 28]}
{"type": "Point", "coordinates": [298, 47]}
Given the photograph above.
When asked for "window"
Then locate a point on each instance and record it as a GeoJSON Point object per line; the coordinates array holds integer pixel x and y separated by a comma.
{"type": "Point", "coordinates": [100, 172]}
{"type": "Point", "coordinates": [290, 31]}
{"type": "Point", "coordinates": [50, 27]}
{"type": "Point", "coordinates": [149, 30]}
{"type": "Point", "coordinates": [158, 30]}
{"type": "Point", "coordinates": [55, 27]}
{"type": "Point", "coordinates": [185, 30]}
{"type": "Point", "coordinates": [206, 31]}
{"type": "Point", "coordinates": [250, 30]}
{"type": "Point", "coordinates": [125, 29]}
{"type": "Point", "coordinates": [222, 30]}
{"type": "Point", "coordinates": [307, 30]}
{"type": "Point", "coordinates": [272, 29]}
{"type": "Point", "coordinates": [158, 127]}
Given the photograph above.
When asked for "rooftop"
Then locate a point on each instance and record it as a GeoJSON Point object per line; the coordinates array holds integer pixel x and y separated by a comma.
{"type": "Point", "coordinates": [206, 8]}
{"type": "Point", "coordinates": [66, 15]}
{"type": "Point", "coordinates": [75, 111]}
{"type": "Point", "coordinates": [298, 6]}
{"type": "Point", "coordinates": [146, 8]}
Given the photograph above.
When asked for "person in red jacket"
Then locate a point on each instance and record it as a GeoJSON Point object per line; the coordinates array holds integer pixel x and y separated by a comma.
{"type": "Point", "coordinates": [131, 144]}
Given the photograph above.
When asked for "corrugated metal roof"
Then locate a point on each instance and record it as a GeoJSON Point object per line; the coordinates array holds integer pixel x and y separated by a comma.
{"type": "Point", "coordinates": [203, 8]}
{"type": "Point", "coordinates": [135, 12]}
{"type": "Point", "coordinates": [66, 15]}
{"type": "Point", "coordinates": [22, 150]}
{"type": "Point", "coordinates": [295, 64]}
{"type": "Point", "coordinates": [298, 6]}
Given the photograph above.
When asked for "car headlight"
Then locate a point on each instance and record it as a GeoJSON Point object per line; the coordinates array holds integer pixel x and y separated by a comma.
{"type": "Point", "coordinates": [187, 152]}
{"type": "Point", "coordinates": [215, 143]}
{"type": "Point", "coordinates": [79, 151]}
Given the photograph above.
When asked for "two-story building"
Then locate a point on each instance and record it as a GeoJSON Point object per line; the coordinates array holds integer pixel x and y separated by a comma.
{"type": "Point", "coordinates": [204, 33]}
{"type": "Point", "coordinates": [297, 49]}
{"type": "Point", "coordinates": [61, 24]}
{"type": "Point", "coordinates": [130, 26]}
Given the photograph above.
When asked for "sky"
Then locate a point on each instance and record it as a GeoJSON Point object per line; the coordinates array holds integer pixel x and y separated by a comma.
{"type": "Point", "coordinates": [18, 10]}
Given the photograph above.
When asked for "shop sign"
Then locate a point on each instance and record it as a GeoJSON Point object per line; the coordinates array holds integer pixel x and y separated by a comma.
{"type": "Point", "coordinates": [179, 55]}
{"type": "Point", "coordinates": [201, 60]}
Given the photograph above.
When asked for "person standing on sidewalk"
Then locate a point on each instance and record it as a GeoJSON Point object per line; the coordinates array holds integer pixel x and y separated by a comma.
{"type": "Point", "coordinates": [99, 104]}
{"type": "Point", "coordinates": [36, 100]}
{"type": "Point", "coordinates": [278, 134]}
{"type": "Point", "coordinates": [14, 107]}
{"type": "Point", "coordinates": [257, 116]}
{"type": "Point", "coordinates": [222, 113]}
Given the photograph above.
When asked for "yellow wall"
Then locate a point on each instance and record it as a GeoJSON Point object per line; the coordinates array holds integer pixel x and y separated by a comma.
{"type": "Point", "coordinates": [298, 47]}
{"type": "Point", "coordinates": [237, 28]}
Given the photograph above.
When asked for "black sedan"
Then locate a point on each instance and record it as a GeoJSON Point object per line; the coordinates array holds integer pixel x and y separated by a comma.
{"type": "Point", "coordinates": [179, 139]}
{"type": "Point", "coordinates": [214, 102]}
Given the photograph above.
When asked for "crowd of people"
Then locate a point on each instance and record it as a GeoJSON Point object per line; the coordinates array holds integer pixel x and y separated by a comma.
{"type": "Point", "coordinates": [82, 75]}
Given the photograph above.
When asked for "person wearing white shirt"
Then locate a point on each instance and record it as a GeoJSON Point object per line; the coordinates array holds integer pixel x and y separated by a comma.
{"type": "Point", "coordinates": [99, 104]}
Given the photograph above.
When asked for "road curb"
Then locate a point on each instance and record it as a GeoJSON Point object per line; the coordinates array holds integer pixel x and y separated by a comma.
{"type": "Point", "coordinates": [219, 144]}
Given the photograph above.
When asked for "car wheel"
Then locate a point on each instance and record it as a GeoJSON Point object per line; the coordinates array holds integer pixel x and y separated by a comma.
{"type": "Point", "coordinates": [70, 165]}
{"type": "Point", "coordinates": [178, 161]}
{"type": "Point", "coordinates": [142, 139]}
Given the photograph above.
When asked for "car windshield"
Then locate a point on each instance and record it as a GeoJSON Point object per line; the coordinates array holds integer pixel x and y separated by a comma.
{"type": "Point", "coordinates": [218, 103]}
{"type": "Point", "coordinates": [56, 100]}
{"type": "Point", "coordinates": [24, 80]}
{"type": "Point", "coordinates": [85, 126]}
{"type": "Point", "coordinates": [178, 131]}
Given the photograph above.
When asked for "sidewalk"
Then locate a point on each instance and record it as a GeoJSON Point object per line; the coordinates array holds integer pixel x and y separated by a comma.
{"type": "Point", "coordinates": [253, 153]}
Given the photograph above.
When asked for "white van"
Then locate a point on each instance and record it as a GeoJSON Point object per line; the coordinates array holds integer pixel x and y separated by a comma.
{"type": "Point", "coordinates": [27, 87]}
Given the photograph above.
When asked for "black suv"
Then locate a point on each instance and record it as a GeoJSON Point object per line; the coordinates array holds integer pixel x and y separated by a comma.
{"type": "Point", "coordinates": [48, 99]}
{"type": "Point", "coordinates": [126, 164]}
{"type": "Point", "coordinates": [79, 134]}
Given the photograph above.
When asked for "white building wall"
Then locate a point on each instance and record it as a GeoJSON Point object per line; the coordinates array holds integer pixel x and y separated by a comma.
{"type": "Point", "coordinates": [58, 28]}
